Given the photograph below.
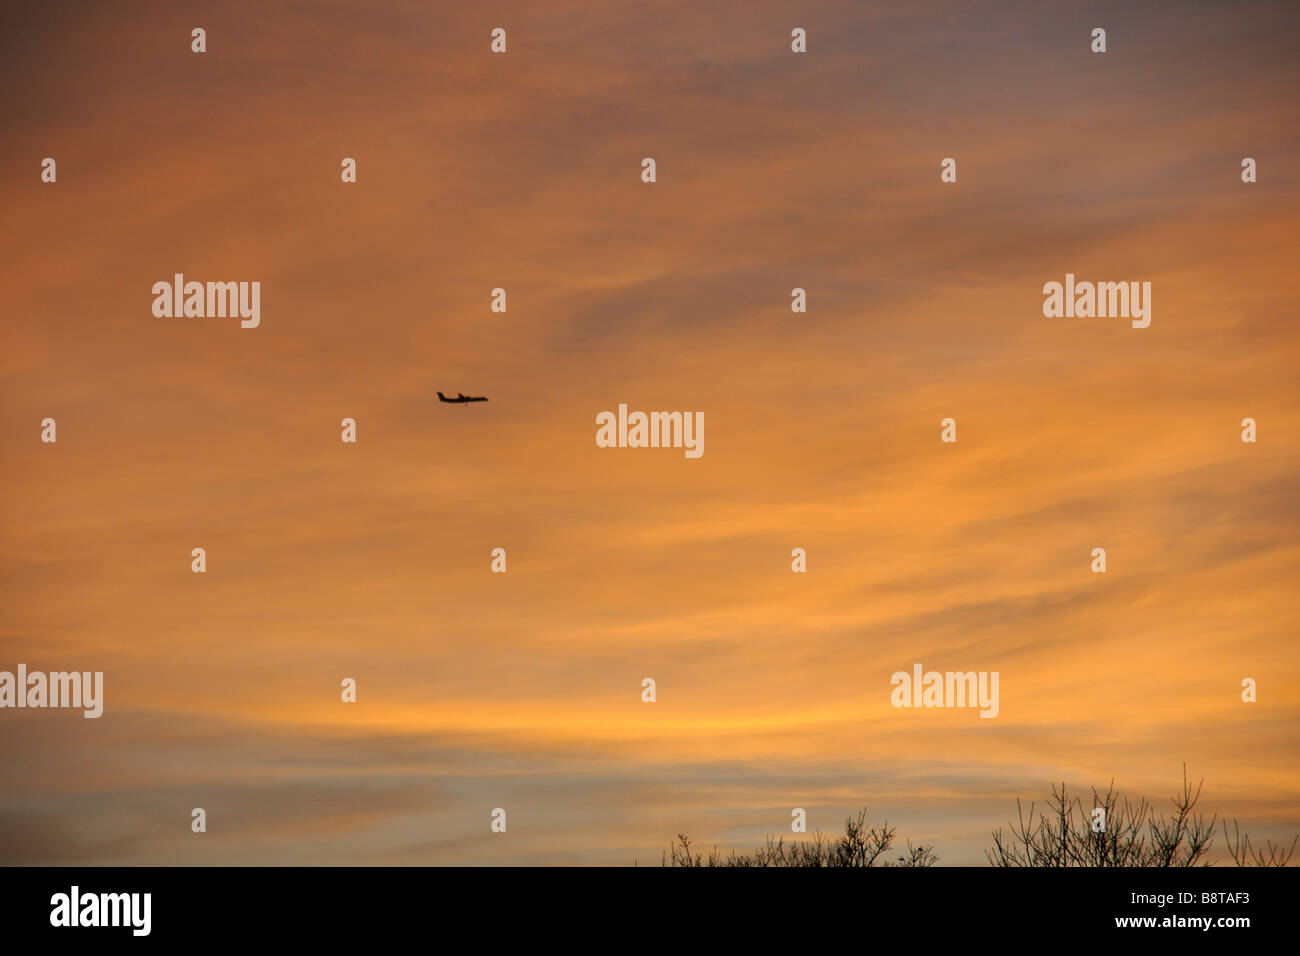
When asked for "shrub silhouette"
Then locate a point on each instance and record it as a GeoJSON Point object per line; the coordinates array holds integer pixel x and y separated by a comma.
{"type": "Point", "coordinates": [1134, 835]}
{"type": "Point", "coordinates": [861, 845]}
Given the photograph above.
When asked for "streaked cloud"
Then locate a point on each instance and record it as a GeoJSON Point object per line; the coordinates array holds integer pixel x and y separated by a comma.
{"type": "Point", "coordinates": [522, 690]}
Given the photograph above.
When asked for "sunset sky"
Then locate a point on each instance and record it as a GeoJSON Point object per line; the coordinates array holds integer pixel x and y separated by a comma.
{"type": "Point", "coordinates": [774, 170]}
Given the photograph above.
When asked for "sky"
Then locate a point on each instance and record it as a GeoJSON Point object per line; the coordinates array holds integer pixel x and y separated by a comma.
{"type": "Point", "coordinates": [774, 171]}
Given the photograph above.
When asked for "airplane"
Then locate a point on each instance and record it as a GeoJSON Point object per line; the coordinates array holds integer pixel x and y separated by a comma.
{"type": "Point", "coordinates": [460, 399]}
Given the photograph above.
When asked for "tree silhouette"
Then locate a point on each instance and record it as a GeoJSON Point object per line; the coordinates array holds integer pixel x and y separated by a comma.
{"type": "Point", "coordinates": [1134, 834]}
{"type": "Point", "coordinates": [861, 845]}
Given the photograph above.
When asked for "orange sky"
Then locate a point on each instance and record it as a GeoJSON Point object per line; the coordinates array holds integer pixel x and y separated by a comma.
{"type": "Point", "coordinates": [775, 170]}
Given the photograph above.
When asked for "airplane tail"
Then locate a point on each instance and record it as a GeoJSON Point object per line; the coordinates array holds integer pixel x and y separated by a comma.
{"type": "Point", "coordinates": [442, 396]}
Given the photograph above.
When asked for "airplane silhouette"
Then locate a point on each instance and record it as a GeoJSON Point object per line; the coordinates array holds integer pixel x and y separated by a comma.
{"type": "Point", "coordinates": [460, 399]}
